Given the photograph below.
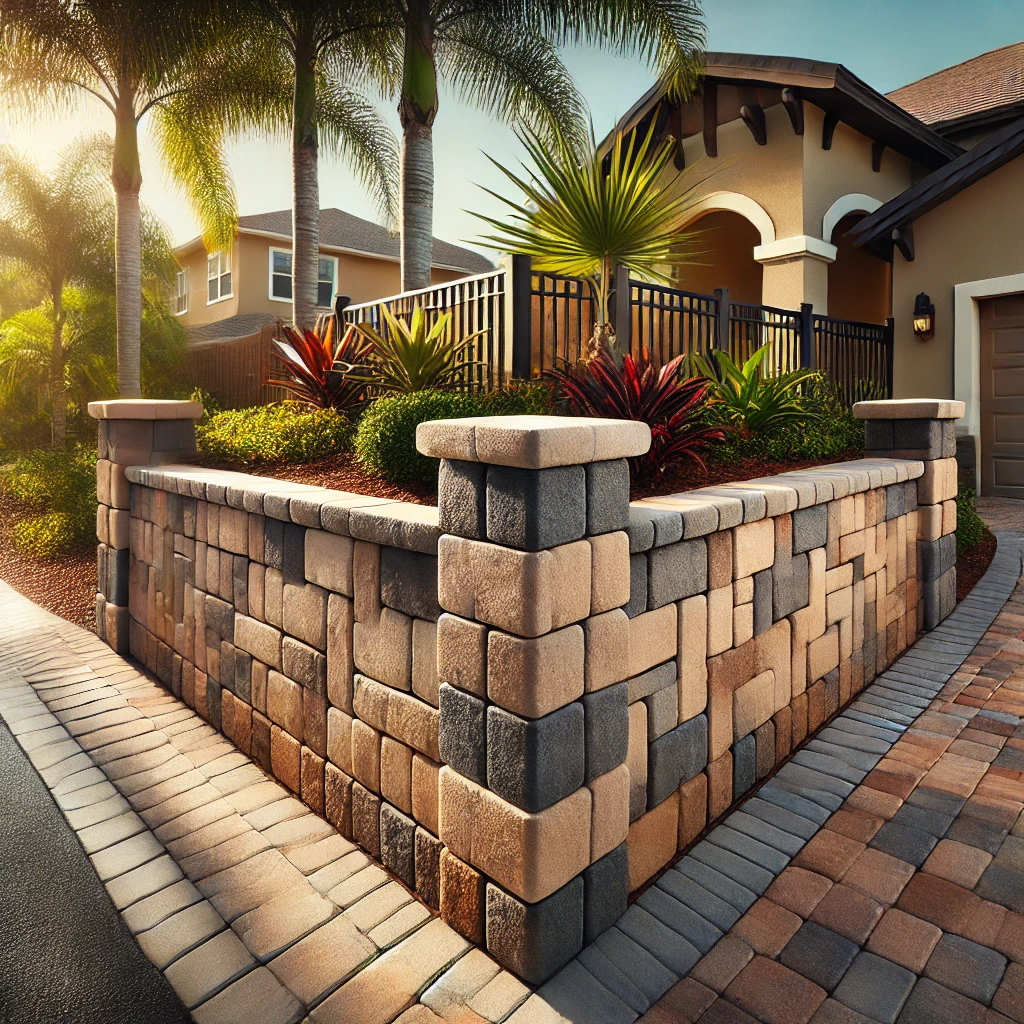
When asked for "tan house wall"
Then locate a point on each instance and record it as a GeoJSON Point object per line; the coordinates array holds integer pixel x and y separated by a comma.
{"type": "Point", "coordinates": [975, 235]}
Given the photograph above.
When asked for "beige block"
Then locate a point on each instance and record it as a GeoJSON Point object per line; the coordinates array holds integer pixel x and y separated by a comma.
{"type": "Point", "coordinates": [103, 481]}
{"type": "Point", "coordinates": [257, 577]}
{"type": "Point", "coordinates": [606, 652]}
{"type": "Point", "coordinates": [396, 773]}
{"type": "Point", "coordinates": [329, 561]}
{"type": "Point", "coordinates": [462, 653]}
{"type": "Point", "coordinates": [847, 515]}
{"type": "Point", "coordinates": [652, 638]}
{"type": "Point", "coordinates": [846, 638]}
{"type": "Point", "coordinates": [652, 840]}
{"type": "Point", "coordinates": [742, 624]}
{"type": "Point", "coordinates": [858, 614]}
{"type": "Point", "coordinates": [366, 581]}
{"type": "Point", "coordinates": [424, 791]}
{"type": "Point", "coordinates": [693, 653]}
{"type": "Point", "coordinates": [257, 537]}
{"type": "Point", "coordinates": [103, 524]}
{"type": "Point", "coordinates": [305, 614]}
{"type": "Point", "coordinates": [948, 517]}
{"type": "Point", "coordinates": [263, 642]}
{"type": "Point", "coordinates": [753, 548]}
{"type": "Point", "coordinates": [340, 666]}
{"type": "Point", "coordinates": [839, 605]}
{"type": "Point", "coordinates": [120, 528]}
{"type": "Point", "coordinates": [414, 722]}
{"type": "Point", "coordinates": [533, 677]}
{"type": "Point", "coordinates": [753, 704]}
{"type": "Point", "coordinates": [370, 702]}
{"type": "Point", "coordinates": [233, 530]}
{"type": "Point", "coordinates": [284, 703]}
{"type": "Point", "coordinates": [366, 755]}
{"type": "Point", "coordinates": [383, 650]}
{"type": "Point", "coordinates": [823, 654]}
{"type": "Point", "coordinates": [609, 797]}
{"type": "Point", "coordinates": [339, 739]}
{"type": "Point", "coordinates": [636, 758]}
{"type": "Point", "coordinates": [662, 711]}
{"type": "Point", "coordinates": [720, 605]}
{"type": "Point", "coordinates": [937, 483]}
{"type": "Point", "coordinates": [609, 572]}
{"type": "Point", "coordinates": [273, 597]}
{"type": "Point", "coordinates": [523, 592]}
{"type": "Point", "coordinates": [851, 545]}
{"type": "Point", "coordinates": [838, 578]}
{"type": "Point", "coordinates": [773, 652]}
{"type": "Point", "coordinates": [531, 854]}
{"type": "Point", "coordinates": [719, 559]}
{"type": "Point", "coordinates": [213, 524]}
{"type": "Point", "coordinates": [425, 682]}
{"type": "Point", "coordinates": [743, 590]}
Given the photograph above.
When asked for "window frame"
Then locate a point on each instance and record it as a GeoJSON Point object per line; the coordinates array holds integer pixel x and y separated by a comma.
{"type": "Point", "coordinates": [224, 267]}
{"type": "Point", "coordinates": [270, 273]}
{"type": "Point", "coordinates": [181, 292]}
{"type": "Point", "coordinates": [334, 282]}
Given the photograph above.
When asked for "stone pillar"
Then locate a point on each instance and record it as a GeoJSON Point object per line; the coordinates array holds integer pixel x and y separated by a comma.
{"type": "Point", "coordinates": [922, 429]}
{"type": "Point", "coordinates": [132, 432]}
{"type": "Point", "coordinates": [533, 574]}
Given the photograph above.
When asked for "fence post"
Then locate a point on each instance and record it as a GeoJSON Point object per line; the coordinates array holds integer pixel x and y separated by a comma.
{"type": "Point", "coordinates": [622, 317]}
{"type": "Point", "coordinates": [518, 316]}
{"type": "Point", "coordinates": [807, 347]}
{"type": "Point", "coordinates": [890, 348]}
{"type": "Point", "coordinates": [722, 321]}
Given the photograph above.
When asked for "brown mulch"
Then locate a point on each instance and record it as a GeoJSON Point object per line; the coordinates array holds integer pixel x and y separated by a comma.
{"type": "Point", "coordinates": [342, 473]}
{"type": "Point", "coordinates": [65, 585]}
{"type": "Point", "coordinates": [972, 565]}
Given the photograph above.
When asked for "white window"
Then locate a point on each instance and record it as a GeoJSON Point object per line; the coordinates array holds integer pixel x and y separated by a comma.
{"type": "Point", "coordinates": [281, 277]}
{"type": "Point", "coordinates": [218, 276]}
{"type": "Point", "coordinates": [181, 293]}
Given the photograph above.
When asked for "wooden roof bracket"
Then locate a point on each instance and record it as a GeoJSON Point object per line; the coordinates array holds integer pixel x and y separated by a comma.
{"type": "Point", "coordinates": [794, 104]}
{"type": "Point", "coordinates": [903, 239]}
{"type": "Point", "coordinates": [753, 118]}
{"type": "Point", "coordinates": [711, 117]}
{"type": "Point", "coordinates": [828, 129]}
{"type": "Point", "coordinates": [877, 149]}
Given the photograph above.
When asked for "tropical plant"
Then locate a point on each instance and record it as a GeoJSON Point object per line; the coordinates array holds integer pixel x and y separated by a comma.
{"type": "Point", "coordinates": [583, 220]}
{"type": "Point", "coordinates": [412, 356]}
{"type": "Point", "coordinates": [751, 401]}
{"type": "Point", "coordinates": [670, 405]}
{"type": "Point", "coordinates": [503, 58]}
{"type": "Point", "coordinates": [320, 370]}
{"type": "Point", "coordinates": [134, 59]}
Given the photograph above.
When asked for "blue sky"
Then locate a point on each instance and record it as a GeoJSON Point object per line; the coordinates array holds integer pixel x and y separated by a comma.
{"type": "Point", "coordinates": [886, 42]}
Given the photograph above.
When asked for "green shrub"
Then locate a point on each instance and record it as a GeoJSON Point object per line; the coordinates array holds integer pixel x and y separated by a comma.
{"type": "Point", "coordinates": [45, 536]}
{"type": "Point", "coordinates": [970, 528]}
{"type": "Point", "coordinates": [286, 432]}
{"type": "Point", "coordinates": [385, 442]}
{"type": "Point", "coordinates": [518, 398]}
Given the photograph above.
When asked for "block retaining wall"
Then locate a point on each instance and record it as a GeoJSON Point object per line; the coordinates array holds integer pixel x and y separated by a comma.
{"type": "Point", "coordinates": [524, 775]}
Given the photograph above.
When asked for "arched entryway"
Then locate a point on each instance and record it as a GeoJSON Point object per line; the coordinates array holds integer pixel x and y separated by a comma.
{"type": "Point", "coordinates": [859, 284]}
{"type": "Point", "coordinates": [725, 259]}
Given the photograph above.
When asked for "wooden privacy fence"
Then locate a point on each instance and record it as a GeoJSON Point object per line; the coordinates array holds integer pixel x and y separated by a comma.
{"type": "Point", "coordinates": [236, 371]}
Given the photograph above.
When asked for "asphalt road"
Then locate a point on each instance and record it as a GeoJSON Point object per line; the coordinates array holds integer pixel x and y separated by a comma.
{"type": "Point", "coordinates": [65, 954]}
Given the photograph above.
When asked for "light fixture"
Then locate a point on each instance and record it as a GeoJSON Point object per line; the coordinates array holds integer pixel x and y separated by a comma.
{"type": "Point", "coordinates": [924, 316]}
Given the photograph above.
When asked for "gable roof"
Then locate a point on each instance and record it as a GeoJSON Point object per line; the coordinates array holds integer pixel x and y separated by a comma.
{"type": "Point", "coordinates": [875, 231]}
{"type": "Point", "coordinates": [833, 88]}
{"type": "Point", "coordinates": [975, 91]}
{"type": "Point", "coordinates": [344, 231]}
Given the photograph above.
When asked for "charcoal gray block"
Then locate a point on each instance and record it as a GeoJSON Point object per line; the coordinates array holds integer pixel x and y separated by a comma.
{"type": "Point", "coordinates": [858, 568]}
{"type": "Point", "coordinates": [240, 583]}
{"type": "Point", "coordinates": [652, 680]}
{"type": "Point", "coordinates": [709, 905]}
{"type": "Point", "coordinates": [819, 954]}
{"type": "Point", "coordinates": [875, 987]}
{"type": "Point", "coordinates": [677, 571]}
{"type": "Point", "coordinates": [937, 556]}
{"type": "Point", "coordinates": [878, 435]}
{"type": "Point", "coordinates": [605, 729]}
{"type": "Point", "coordinates": [810, 528]}
{"type": "Point", "coordinates": [462, 498]}
{"type": "Point", "coordinates": [213, 690]}
{"type": "Point", "coordinates": [534, 764]}
{"type": "Point", "coordinates": [921, 436]}
{"type": "Point", "coordinates": [605, 892]}
{"type": "Point", "coordinates": [227, 665]}
{"type": "Point", "coordinates": [408, 582]}
{"type": "Point", "coordinates": [949, 441]}
{"type": "Point", "coordinates": [680, 918]}
{"type": "Point", "coordinates": [293, 566]}
{"type": "Point", "coordinates": [427, 867]}
{"type": "Point", "coordinates": [175, 516]}
{"type": "Point", "coordinates": [462, 733]}
{"type": "Point", "coordinates": [243, 676]}
{"type": "Point", "coordinates": [637, 586]}
{"type": "Point", "coordinates": [533, 509]}
{"type": "Point", "coordinates": [763, 603]}
{"type": "Point", "coordinates": [174, 436]}
{"type": "Point", "coordinates": [894, 501]}
{"type": "Point", "coordinates": [744, 765]}
{"type": "Point", "coordinates": [909, 495]}
{"type": "Point", "coordinates": [398, 844]}
{"type": "Point", "coordinates": [640, 529]}
{"type": "Point", "coordinates": [607, 486]}
{"type": "Point", "coordinates": [533, 940]}
{"type": "Point", "coordinates": [676, 758]}
{"type": "Point", "coordinates": [189, 509]}
{"type": "Point", "coordinates": [831, 693]}
{"type": "Point", "coordinates": [273, 544]}
{"type": "Point", "coordinates": [220, 617]}
{"type": "Point", "coordinates": [304, 664]}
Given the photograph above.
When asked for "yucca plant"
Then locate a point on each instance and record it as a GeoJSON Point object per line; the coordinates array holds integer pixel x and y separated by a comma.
{"type": "Point", "coordinates": [582, 219]}
{"type": "Point", "coordinates": [414, 356]}
{"type": "Point", "coordinates": [750, 401]}
{"type": "Point", "coordinates": [320, 371]}
{"type": "Point", "coordinates": [672, 406]}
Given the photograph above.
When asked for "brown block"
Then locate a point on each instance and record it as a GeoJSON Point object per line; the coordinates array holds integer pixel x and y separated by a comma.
{"type": "Point", "coordinates": [719, 774]}
{"type": "Point", "coordinates": [463, 897]}
{"type": "Point", "coordinates": [242, 727]}
{"type": "Point", "coordinates": [719, 559]}
{"type": "Point", "coordinates": [606, 654]}
{"type": "Point", "coordinates": [610, 815]}
{"type": "Point", "coordinates": [693, 809]}
{"type": "Point", "coordinates": [783, 720]}
{"type": "Point", "coordinates": [314, 721]}
{"type": "Point", "coordinates": [652, 841]}
{"type": "Point", "coordinates": [338, 799]}
{"type": "Point", "coordinates": [764, 748]}
{"type": "Point", "coordinates": [261, 740]}
{"type": "Point", "coordinates": [366, 755]}
{"type": "Point", "coordinates": [726, 673]}
{"type": "Point", "coordinates": [815, 705]}
{"type": "Point", "coordinates": [799, 719]}
{"type": "Point", "coordinates": [424, 791]}
{"type": "Point", "coordinates": [396, 773]}
{"type": "Point", "coordinates": [284, 703]}
{"type": "Point", "coordinates": [462, 653]}
{"type": "Point", "coordinates": [285, 758]}
{"type": "Point", "coordinates": [312, 780]}
{"type": "Point", "coordinates": [533, 677]}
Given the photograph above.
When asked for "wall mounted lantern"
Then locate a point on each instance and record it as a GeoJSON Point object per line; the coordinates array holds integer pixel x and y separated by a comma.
{"type": "Point", "coordinates": [924, 316]}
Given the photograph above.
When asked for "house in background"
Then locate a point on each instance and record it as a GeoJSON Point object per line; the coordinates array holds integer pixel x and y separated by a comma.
{"type": "Point", "coordinates": [234, 293]}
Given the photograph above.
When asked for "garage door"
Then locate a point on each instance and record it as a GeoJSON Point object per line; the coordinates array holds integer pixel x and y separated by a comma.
{"type": "Point", "coordinates": [1002, 396]}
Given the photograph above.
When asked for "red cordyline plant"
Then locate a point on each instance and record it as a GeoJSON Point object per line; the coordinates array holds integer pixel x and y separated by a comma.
{"type": "Point", "coordinates": [670, 406]}
{"type": "Point", "coordinates": [319, 370]}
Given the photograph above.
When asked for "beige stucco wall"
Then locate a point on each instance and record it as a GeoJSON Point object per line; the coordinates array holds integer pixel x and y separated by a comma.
{"type": "Point", "coordinates": [725, 241]}
{"type": "Point", "coordinates": [975, 235]}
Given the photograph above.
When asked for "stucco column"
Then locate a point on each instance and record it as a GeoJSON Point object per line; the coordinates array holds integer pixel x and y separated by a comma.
{"type": "Point", "coordinates": [132, 432]}
{"type": "Point", "coordinates": [795, 270]}
{"type": "Point", "coordinates": [533, 574]}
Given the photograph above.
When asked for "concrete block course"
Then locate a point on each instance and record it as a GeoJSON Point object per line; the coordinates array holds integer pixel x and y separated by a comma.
{"type": "Point", "coordinates": [536, 509]}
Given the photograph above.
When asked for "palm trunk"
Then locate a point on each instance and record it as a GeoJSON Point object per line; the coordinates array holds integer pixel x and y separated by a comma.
{"type": "Point", "coordinates": [58, 392]}
{"type": "Point", "coordinates": [305, 184]}
{"type": "Point", "coordinates": [126, 176]}
{"type": "Point", "coordinates": [418, 108]}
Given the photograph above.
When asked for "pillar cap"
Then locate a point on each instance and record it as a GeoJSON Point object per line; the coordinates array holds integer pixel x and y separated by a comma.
{"type": "Point", "coordinates": [145, 409]}
{"type": "Point", "coordinates": [910, 409]}
{"type": "Point", "coordinates": [533, 442]}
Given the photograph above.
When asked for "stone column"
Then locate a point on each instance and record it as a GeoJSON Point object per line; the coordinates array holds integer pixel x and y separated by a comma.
{"type": "Point", "coordinates": [132, 432]}
{"type": "Point", "coordinates": [922, 429]}
{"type": "Point", "coordinates": [533, 574]}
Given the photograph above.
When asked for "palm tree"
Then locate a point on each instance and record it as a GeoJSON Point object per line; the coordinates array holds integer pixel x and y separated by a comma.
{"type": "Point", "coordinates": [501, 56]}
{"type": "Point", "coordinates": [289, 70]}
{"type": "Point", "coordinates": [56, 230]}
{"type": "Point", "coordinates": [134, 59]}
